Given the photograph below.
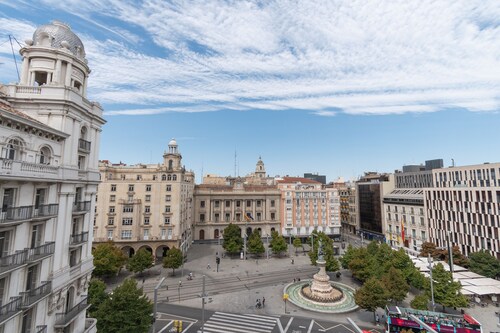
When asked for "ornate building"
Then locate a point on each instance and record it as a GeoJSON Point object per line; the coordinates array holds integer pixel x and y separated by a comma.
{"type": "Point", "coordinates": [146, 206]}
{"type": "Point", "coordinates": [307, 205]}
{"type": "Point", "coordinates": [223, 200]}
{"type": "Point", "coordinates": [49, 137]}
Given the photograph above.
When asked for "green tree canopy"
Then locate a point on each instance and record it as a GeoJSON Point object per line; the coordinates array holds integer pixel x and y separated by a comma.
{"type": "Point", "coordinates": [395, 284]}
{"type": "Point", "coordinates": [97, 295]}
{"type": "Point", "coordinates": [278, 245]}
{"type": "Point", "coordinates": [446, 291]}
{"type": "Point", "coordinates": [442, 254]}
{"type": "Point", "coordinates": [296, 243]}
{"type": "Point", "coordinates": [332, 264]}
{"type": "Point", "coordinates": [173, 259]}
{"type": "Point", "coordinates": [347, 257]}
{"type": "Point", "coordinates": [371, 295]}
{"type": "Point", "coordinates": [140, 261]}
{"type": "Point", "coordinates": [233, 242]}
{"type": "Point", "coordinates": [420, 302]}
{"type": "Point", "coordinates": [127, 310]}
{"type": "Point", "coordinates": [108, 260]}
{"type": "Point", "coordinates": [484, 263]}
{"type": "Point", "coordinates": [255, 244]}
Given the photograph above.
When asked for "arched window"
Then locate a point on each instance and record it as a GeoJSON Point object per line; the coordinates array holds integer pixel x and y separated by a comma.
{"type": "Point", "coordinates": [174, 177]}
{"type": "Point", "coordinates": [169, 177]}
{"type": "Point", "coordinates": [44, 156]}
{"type": "Point", "coordinates": [13, 149]}
{"type": "Point", "coordinates": [216, 233]}
{"type": "Point", "coordinates": [202, 234]}
{"type": "Point", "coordinates": [163, 177]}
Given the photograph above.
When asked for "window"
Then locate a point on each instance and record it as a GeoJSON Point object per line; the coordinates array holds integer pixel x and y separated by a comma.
{"type": "Point", "coordinates": [216, 217]}
{"type": "Point", "coordinates": [167, 209]}
{"type": "Point", "coordinates": [131, 188]}
{"type": "Point", "coordinates": [148, 188]}
{"type": "Point", "coordinates": [169, 236]}
{"type": "Point", "coordinates": [148, 198]}
{"type": "Point", "coordinates": [39, 197]}
{"type": "Point", "coordinates": [202, 217]}
{"type": "Point", "coordinates": [238, 217]}
{"type": "Point", "coordinates": [228, 203]}
{"type": "Point", "coordinates": [113, 187]}
{"type": "Point", "coordinates": [44, 156]}
{"type": "Point", "coordinates": [36, 235]}
{"type": "Point", "coordinates": [110, 234]}
{"type": "Point", "coordinates": [111, 221]}
{"type": "Point", "coordinates": [126, 234]}
{"type": "Point", "coordinates": [81, 162]}
{"type": "Point", "coordinates": [249, 203]}
{"type": "Point", "coordinates": [169, 177]}
{"type": "Point", "coordinates": [238, 203]}
{"type": "Point", "coordinates": [216, 203]}
{"type": "Point", "coordinates": [146, 221]}
{"type": "Point", "coordinates": [154, 177]}
{"type": "Point", "coordinates": [127, 221]}
{"type": "Point", "coordinates": [112, 198]}
{"type": "Point", "coordinates": [228, 217]}
{"type": "Point", "coordinates": [259, 216]}
{"type": "Point", "coordinates": [163, 177]}
{"type": "Point", "coordinates": [166, 220]}
{"type": "Point", "coordinates": [272, 203]}
{"type": "Point", "coordinates": [174, 178]}
{"type": "Point", "coordinates": [273, 216]}
{"type": "Point", "coordinates": [146, 234]}
{"type": "Point", "coordinates": [168, 198]}
{"type": "Point", "coordinates": [259, 203]}
{"type": "Point", "coordinates": [169, 188]}
{"type": "Point", "coordinates": [111, 209]}
{"type": "Point", "coordinates": [202, 203]}
{"type": "Point", "coordinates": [13, 150]}
{"type": "Point", "coordinates": [163, 233]}
{"type": "Point", "coordinates": [128, 209]}
{"type": "Point", "coordinates": [138, 177]}
{"type": "Point", "coordinates": [147, 209]}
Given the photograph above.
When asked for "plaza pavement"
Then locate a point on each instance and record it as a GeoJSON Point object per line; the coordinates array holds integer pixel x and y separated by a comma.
{"type": "Point", "coordinates": [201, 255]}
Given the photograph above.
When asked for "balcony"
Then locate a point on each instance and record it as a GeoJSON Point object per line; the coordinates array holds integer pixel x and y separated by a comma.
{"type": "Point", "coordinates": [84, 146]}
{"type": "Point", "coordinates": [46, 210]}
{"type": "Point", "coordinates": [79, 239]}
{"type": "Point", "coordinates": [81, 207]}
{"type": "Point", "coordinates": [90, 325]}
{"type": "Point", "coordinates": [13, 261]}
{"type": "Point", "coordinates": [10, 309]}
{"type": "Point", "coordinates": [30, 297]}
{"type": "Point", "coordinates": [66, 318]}
{"type": "Point", "coordinates": [41, 329]}
{"type": "Point", "coordinates": [40, 252]}
{"type": "Point", "coordinates": [16, 214]}
{"type": "Point", "coordinates": [27, 169]}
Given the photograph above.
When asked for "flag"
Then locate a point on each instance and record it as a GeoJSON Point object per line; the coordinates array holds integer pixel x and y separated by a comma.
{"type": "Point", "coordinates": [248, 217]}
{"type": "Point", "coordinates": [403, 230]}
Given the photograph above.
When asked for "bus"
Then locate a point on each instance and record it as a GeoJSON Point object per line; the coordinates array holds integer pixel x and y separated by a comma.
{"type": "Point", "coordinates": [398, 319]}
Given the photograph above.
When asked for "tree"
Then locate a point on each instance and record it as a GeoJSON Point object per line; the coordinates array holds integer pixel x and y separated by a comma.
{"type": "Point", "coordinates": [141, 261]}
{"type": "Point", "coordinates": [296, 243]}
{"type": "Point", "coordinates": [255, 244]}
{"type": "Point", "coordinates": [420, 302]}
{"type": "Point", "coordinates": [278, 244]}
{"type": "Point", "coordinates": [127, 310]}
{"type": "Point", "coordinates": [347, 257]}
{"type": "Point", "coordinates": [395, 284]}
{"type": "Point", "coordinates": [108, 260]}
{"type": "Point", "coordinates": [97, 295]}
{"type": "Point", "coordinates": [233, 242]}
{"type": "Point", "coordinates": [485, 264]}
{"type": "Point", "coordinates": [446, 291]}
{"type": "Point", "coordinates": [371, 295]}
{"type": "Point", "coordinates": [332, 264]}
{"type": "Point", "coordinates": [173, 259]}
{"type": "Point", "coordinates": [427, 248]}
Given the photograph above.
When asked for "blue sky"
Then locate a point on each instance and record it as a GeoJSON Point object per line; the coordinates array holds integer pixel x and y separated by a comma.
{"type": "Point", "coordinates": [337, 87]}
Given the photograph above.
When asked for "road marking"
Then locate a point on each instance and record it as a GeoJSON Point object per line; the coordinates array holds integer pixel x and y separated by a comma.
{"type": "Point", "coordinates": [221, 322]}
{"type": "Point", "coordinates": [288, 325]}
{"type": "Point", "coordinates": [310, 326]}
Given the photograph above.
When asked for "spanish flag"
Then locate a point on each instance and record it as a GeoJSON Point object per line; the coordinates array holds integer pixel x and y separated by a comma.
{"type": "Point", "coordinates": [403, 231]}
{"type": "Point", "coordinates": [248, 217]}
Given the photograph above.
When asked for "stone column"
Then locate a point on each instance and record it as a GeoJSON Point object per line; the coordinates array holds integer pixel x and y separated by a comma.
{"type": "Point", "coordinates": [25, 71]}
{"type": "Point", "coordinates": [56, 78]}
{"type": "Point", "coordinates": [69, 71]}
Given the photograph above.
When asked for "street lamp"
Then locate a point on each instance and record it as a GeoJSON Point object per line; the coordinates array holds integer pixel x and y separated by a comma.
{"type": "Point", "coordinates": [429, 260]}
{"type": "Point", "coordinates": [267, 249]}
{"type": "Point", "coordinates": [156, 301]}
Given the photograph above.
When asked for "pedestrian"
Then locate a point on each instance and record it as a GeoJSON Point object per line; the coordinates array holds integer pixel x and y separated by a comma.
{"type": "Point", "coordinates": [298, 279]}
{"type": "Point", "coordinates": [291, 261]}
{"type": "Point", "coordinates": [294, 280]}
{"type": "Point", "coordinates": [263, 301]}
{"type": "Point", "coordinates": [180, 283]}
{"type": "Point", "coordinates": [257, 261]}
{"type": "Point", "coordinates": [208, 266]}
{"type": "Point", "coordinates": [377, 319]}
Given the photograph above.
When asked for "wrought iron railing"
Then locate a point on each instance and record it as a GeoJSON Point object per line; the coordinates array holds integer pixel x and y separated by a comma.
{"type": "Point", "coordinates": [30, 297]}
{"type": "Point", "coordinates": [41, 329]}
{"type": "Point", "coordinates": [11, 214]}
{"type": "Point", "coordinates": [65, 318]}
{"type": "Point", "coordinates": [47, 210]}
{"type": "Point", "coordinates": [41, 251]}
{"type": "Point", "coordinates": [14, 260]}
{"type": "Point", "coordinates": [81, 206]}
{"type": "Point", "coordinates": [84, 145]}
{"type": "Point", "coordinates": [9, 309]}
{"type": "Point", "coordinates": [79, 238]}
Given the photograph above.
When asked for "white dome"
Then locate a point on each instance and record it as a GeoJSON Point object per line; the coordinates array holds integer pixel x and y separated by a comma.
{"type": "Point", "coordinates": [60, 36]}
{"type": "Point", "coordinates": [172, 143]}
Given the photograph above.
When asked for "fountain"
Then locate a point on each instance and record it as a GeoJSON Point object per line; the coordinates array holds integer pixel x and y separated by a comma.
{"type": "Point", "coordinates": [320, 294]}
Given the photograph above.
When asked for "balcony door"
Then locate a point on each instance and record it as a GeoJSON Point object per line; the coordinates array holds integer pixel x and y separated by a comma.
{"type": "Point", "coordinates": [31, 277]}
{"type": "Point", "coordinates": [36, 235]}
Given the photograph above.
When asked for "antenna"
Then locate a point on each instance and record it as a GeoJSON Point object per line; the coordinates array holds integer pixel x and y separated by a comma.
{"type": "Point", "coordinates": [14, 56]}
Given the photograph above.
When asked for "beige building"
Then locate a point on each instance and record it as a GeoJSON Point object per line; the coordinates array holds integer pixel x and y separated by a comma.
{"type": "Point", "coordinates": [220, 201]}
{"type": "Point", "coordinates": [307, 205]}
{"type": "Point", "coordinates": [49, 139]}
{"type": "Point", "coordinates": [348, 210]}
{"type": "Point", "coordinates": [146, 206]}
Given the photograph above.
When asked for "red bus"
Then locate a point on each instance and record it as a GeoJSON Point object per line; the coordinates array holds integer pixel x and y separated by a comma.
{"type": "Point", "coordinates": [397, 319]}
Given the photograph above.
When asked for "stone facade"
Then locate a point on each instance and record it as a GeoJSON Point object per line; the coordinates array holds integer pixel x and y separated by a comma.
{"type": "Point", "coordinates": [49, 138]}
{"type": "Point", "coordinates": [146, 206]}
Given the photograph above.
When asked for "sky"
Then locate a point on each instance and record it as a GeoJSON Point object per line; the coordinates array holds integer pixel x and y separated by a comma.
{"type": "Point", "coordinates": [330, 87]}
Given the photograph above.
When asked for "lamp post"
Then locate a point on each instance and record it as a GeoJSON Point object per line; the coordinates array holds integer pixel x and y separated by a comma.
{"type": "Point", "coordinates": [267, 248]}
{"type": "Point", "coordinates": [429, 259]}
{"type": "Point", "coordinates": [156, 301]}
{"type": "Point", "coordinates": [312, 243]}
{"type": "Point", "coordinates": [203, 296]}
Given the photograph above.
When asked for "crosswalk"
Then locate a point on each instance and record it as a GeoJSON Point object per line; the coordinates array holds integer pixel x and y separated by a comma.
{"type": "Point", "coordinates": [221, 322]}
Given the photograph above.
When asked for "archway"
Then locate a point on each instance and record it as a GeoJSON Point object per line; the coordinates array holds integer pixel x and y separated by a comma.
{"type": "Point", "coordinates": [147, 248]}
{"type": "Point", "coordinates": [272, 229]}
{"type": "Point", "coordinates": [216, 234]}
{"type": "Point", "coordinates": [70, 298]}
{"type": "Point", "coordinates": [249, 231]}
{"type": "Point", "coordinates": [161, 251]}
{"type": "Point", "coordinates": [259, 230]}
{"type": "Point", "coordinates": [128, 251]}
{"type": "Point", "coordinates": [202, 234]}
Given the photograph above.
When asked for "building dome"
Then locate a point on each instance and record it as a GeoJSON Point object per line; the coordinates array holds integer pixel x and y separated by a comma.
{"type": "Point", "coordinates": [59, 35]}
{"type": "Point", "coordinates": [172, 143]}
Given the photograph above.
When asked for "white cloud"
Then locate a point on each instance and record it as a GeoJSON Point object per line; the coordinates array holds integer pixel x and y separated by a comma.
{"type": "Point", "coordinates": [371, 57]}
